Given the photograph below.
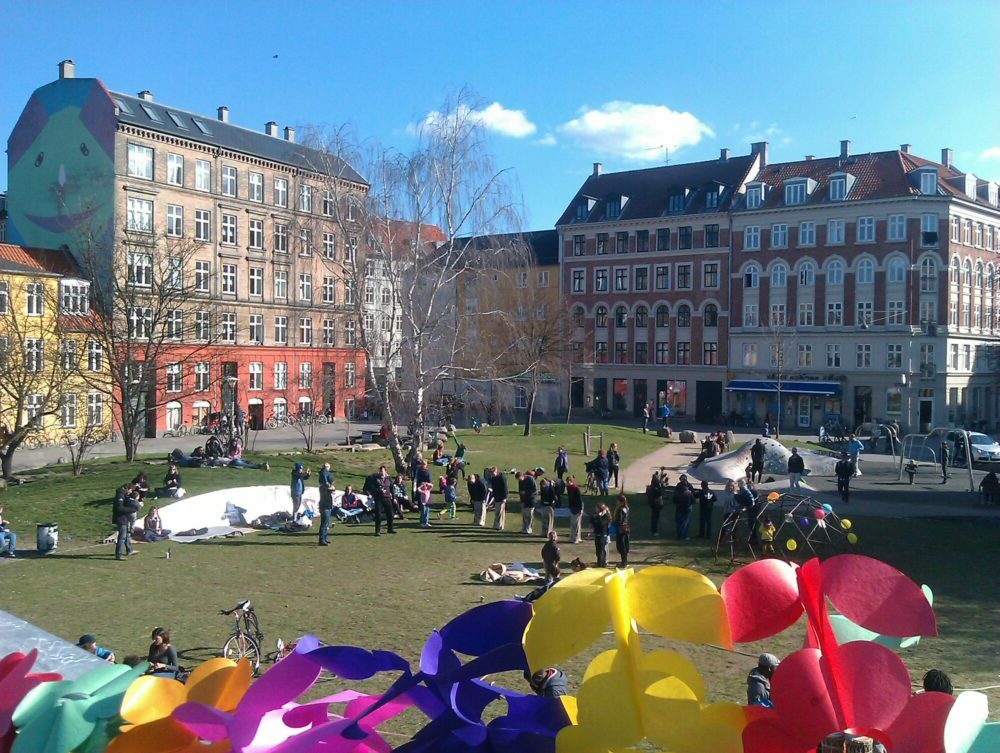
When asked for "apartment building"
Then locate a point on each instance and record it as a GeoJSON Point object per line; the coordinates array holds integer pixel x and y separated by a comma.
{"type": "Point", "coordinates": [265, 213]}
{"type": "Point", "coordinates": [3, 217]}
{"type": "Point", "coordinates": [864, 285]}
{"type": "Point", "coordinates": [645, 270]}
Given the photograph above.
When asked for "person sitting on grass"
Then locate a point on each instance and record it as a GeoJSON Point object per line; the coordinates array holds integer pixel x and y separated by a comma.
{"type": "Point", "coordinates": [213, 448]}
{"type": "Point", "coordinates": [936, 681]}
{"type": "Point", "coordinates": [401, 500]}
{"type": "Point", "coordinates": [171, 484]}
{"type": "Point", "coordinates": [162, 655]}
{"type": "Point", "coordinates": [141, 485]}
{"type": "Point", "coordinates": [8, 539]}
{"type": "Point", "coordinates": [152, 527]}
{"type": "Point", "coordinates": [236, 460]}
{"type": "Point", "coordinates": [89, 644]}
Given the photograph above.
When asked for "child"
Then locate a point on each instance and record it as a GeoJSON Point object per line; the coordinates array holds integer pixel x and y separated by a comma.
{"type": "Point", "coordinates": [767, 531]}
{"type": "Point", "coordinates": [451, 497]}
{"type": "Point", "coordinates": [424, 500]}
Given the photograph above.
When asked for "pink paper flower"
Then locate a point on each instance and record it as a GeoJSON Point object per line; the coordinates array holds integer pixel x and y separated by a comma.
{"type": "Point", "coordinates": [16, 680]}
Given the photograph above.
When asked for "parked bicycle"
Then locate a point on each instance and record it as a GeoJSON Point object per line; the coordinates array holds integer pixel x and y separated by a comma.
{"type": "Point", "coordinates": [247, 637]}
{"type": "Point", "coordinates": [178, 431]}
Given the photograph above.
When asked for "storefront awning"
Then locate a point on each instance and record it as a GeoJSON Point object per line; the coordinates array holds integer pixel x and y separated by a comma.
{"type": "Point", "coordinates": [771, 385]}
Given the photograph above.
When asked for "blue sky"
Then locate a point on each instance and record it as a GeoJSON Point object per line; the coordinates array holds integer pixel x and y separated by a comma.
{"type": "Point", "coordinates": [572, 82]}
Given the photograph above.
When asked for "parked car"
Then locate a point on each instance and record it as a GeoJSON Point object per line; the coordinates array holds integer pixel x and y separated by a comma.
{"type": "Point", "coordinates": [984, 448]}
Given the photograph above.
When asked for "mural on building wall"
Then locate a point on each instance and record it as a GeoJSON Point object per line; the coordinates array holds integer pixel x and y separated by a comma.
{"type": "Point", "coordinates": [60, 159]}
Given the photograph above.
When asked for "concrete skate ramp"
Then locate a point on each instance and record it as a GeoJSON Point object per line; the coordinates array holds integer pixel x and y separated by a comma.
{"type": "Point", "coordinates": [54, 653]}
{"type": "Point", "coordinates": [733, 464]}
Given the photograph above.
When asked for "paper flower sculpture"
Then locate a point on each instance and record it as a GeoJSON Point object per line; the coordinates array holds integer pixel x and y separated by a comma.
{"type": "Point", "coordinates": [149, 702]}
{"type": "Point", "coordinates": [73, 715]}
{"type": "Point", "coordinates": [860, 686]}
{"type": "Point", "coordinates": [845, 630]}
{"type": "Point", "coordinates": [16, 680]}
{"type": "Point", "coordinates": [627, 695]}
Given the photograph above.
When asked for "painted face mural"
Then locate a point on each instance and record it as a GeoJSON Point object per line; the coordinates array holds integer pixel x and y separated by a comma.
{"type": "Point", "coordinates": [61, 165]}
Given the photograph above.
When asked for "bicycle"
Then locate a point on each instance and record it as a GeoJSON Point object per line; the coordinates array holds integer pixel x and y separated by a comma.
{"type": "Point", "coordinates": [247, 637]}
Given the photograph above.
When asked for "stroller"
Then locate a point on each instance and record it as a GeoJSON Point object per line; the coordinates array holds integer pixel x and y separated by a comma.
{"type": "Point", "coordinates": [592, 476]}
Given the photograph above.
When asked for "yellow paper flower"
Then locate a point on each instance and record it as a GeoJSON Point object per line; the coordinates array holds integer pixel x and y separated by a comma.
{"type": "Point", "coordinates": [149, 702]}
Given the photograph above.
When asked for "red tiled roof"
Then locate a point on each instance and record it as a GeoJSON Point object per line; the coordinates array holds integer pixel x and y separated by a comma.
{"type": "Point", "coordinates": [39, 259]}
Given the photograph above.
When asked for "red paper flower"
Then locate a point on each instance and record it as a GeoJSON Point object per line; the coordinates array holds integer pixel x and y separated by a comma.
{"type": "Point", "coordinates": [15, 682]}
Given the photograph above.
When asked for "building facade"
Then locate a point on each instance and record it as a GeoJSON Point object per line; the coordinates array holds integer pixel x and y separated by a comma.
{"type": "Point", "coordinates": [259, 209]}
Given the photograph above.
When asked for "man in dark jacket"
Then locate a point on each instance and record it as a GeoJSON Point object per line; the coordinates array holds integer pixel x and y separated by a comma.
{"type": "Point", "coordinates": [759, 681]}
{"type": "Point", "coordinates": [844, 471]}
{"type": "Point", "coordinates": [126, 505]}
{"type": "Point", "coordinates": [684, 500]}
{"type": "Point", "coordinates": [527, 489]}
{"type": "Point", "coordinates": [654, 498]}
{"type": "Point", "coordinates": [551, 556]}
{"type": "Point", "coordinates": [796, 466]}
{"type": "Point", "coordinates": [378, 486]}
{"type": "Point", "coordinates": [547, 511]}
{"type": "Point", "coordinates": [746, 500]}
{"type": "Point", "coordinates": [477, 496]}
{"type": "Point", "coordinates": [757, 461]}
{"type": "Point", "coordinates": [550, 682]}
{"type": "Point", "coordinates": [325, 503]}
{"type": "Point", "coordinates": [498, 487]}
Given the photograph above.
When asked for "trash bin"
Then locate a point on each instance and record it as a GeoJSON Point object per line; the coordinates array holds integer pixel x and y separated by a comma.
{"type": "Point", "coordinates": [47, 536]}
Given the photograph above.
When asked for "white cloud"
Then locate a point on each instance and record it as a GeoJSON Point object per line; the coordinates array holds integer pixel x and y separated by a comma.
{"type": "Point", "coordinates": [757, 131]}
{"type": "Point", "coordinates": [992, 153]}
{"type": "Point", "coordinates": [548, 139]}
{"type": "Point", "coordinates": [494, 117]}
{"type": "Point", "coordinates": [634, 131]}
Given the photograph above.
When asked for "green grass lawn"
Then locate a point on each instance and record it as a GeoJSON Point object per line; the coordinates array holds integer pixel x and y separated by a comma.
{"type": "Point", "coordinates": [389, 592]}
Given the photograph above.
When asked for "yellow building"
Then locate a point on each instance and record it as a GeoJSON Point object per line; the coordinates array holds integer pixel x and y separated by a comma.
{"type": "Point", "coordinates": [54, 382]}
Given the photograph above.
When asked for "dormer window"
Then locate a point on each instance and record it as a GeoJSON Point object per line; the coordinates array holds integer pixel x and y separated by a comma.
{"type": "Point", "coordinates": [928, 182]}
{"type": "Point", "coordinates": [74, 296]}
{"type": "Point", "coordinates": [614, 208]}
{"type": "Point", "coordinates": [970, 186]}
{"type": "Point", "coordinates": [755, 196]}
{"type": "Point", "coordinates": [991, 193]}
{"type": "Point", "coordinates": [582, 211]}
{"type": "Point", "coordinates": [712, 199]}
{"type": "Point", "coordinates": [838, 189]}
{"type": "Point", "coordinates": [676, 201]}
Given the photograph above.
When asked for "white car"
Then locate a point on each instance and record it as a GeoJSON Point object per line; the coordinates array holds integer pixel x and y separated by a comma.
{"type": "Point", "coordinates": [984, 448]}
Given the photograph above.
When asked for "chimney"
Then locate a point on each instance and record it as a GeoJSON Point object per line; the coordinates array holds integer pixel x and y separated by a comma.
{"type": "Point", "coordinates": [760, 147]}
{"type": "Point", "coordinates": [724, 154]}
{"type": "Point", "coordinates": [904, 148]}
{"type": "Point", "coordinates": [946, 157]}
{"type": "Point", "coordinates": [845, 149]}
{"type": "Point", "coordinates": [289, 133]}
{"type": "Point", "coordinates": [67, 68]}
{"type": "Point", "coordinates": [271, 128]}
{"type": "Point", "coordinates": [224, 114]}
{"type": "Point", "coordinates": [597, 169]}
{"type": "Point", "coordinates": [810, 157]}
{"type": "Point", "coordinates": [146, 94]}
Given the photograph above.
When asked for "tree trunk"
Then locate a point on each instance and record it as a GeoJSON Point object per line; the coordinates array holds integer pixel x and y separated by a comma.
{"type": "Point", "coordinates": [6, 463]}
{"type": "Point", "coordinates": [531, 404]}
{"type": "Point", "coordinates": [389, 417]}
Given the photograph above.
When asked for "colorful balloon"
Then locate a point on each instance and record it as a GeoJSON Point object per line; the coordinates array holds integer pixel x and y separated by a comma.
{"type": "Point", "coordinates": [845, 524]}
{"type": "Point", "coordinates": [852, 538]}
{"type": "Point", "coordinates": [791, 545]}
{"type": "Point", "coordinates": [773, 497]}
{"type": "Point", "coordinates": [819, 514]}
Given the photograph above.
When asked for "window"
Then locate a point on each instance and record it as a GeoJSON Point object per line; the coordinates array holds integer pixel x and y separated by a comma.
{"type": "Point", "coordinates": [641, 279]}
{"type": "Point", "coordinates": [202, 276]}
{"type": "Point", "coordinates": [4, 297]}
{"type": "Point", "coordinates": [778, 315]}
{"type": "Point", "coordinates": [751, 276]}
{"type": "Point", "coordinates": [928, 182]}
{"type": "Point", "coordinates": [641, 317]}
{"type": "Point", "coordinates": [967, 356]}
{"type": "Point", "coordinates": [175, 169]}
{"type": "Point", "coordinates": [305, 198]}
{"type": "Point", "coordinates": [927, 355]}
{"type": "Point", "coordinates": [305, 331]}
{"type": "Point", "coordinates": [621, 316]}
{"type": "Point", "coordinates": [897, 270]}
{"type": "Point", "coordinates": [661, 351]}
{"type": "Point", "coordinates": [329, 290]}
{"type": "Point", "coordinates": [280, 238]}
{"type": "Point", "coordinates": [712, 197]}
{"type": "Point", "coordinates": [228, 235]}
{"type": "Point", "coordinates": [327, 203]}
{"type": "Point", "coordinates": [711, 236]}
{"type": "Point", "coordinates": [835, 272]}
{"type": "Point", "coordinates": [755, 195]}
{"type": "Point", "coordinates": [893, 356]}
{"type": "Point", "coordinates": [751, 237]}
{"type": "Point", "coordinates": [953, 313]}
{"type": "Point", "coordinates": [710, 316]}
{"type": "Point", "coordinates": [749, 354]}
{"type": "Point", "coordinates": [305, 242]}
{"type": "Point", "coordinates": [835, 314]}
{"type": "Point", "coordinates": [621, 279]}
{"type": "Point", "coordinates": [256, 234]}
{"type": "Point", "coordinates": [140, 271]}
{"type": "Point", "coordinates": [663, 239]}
{"type": "Point", "coordinates": [67, 355]}
{"type": "Point", "coordinates": [578, 316]}
{"type": "Point", "coordinates": [329, 246]}
{"type": "Point", "coordinates": [543, 278]}
{"type": "Point", "coordinates": [579, 283]}
{"type": "Point", "coordinates": [662, 277]}
{"type": "Point", "coordinates": [228, 331]}
{"type": "Point", "coordinates": [967, 273]}
{"type": "Point", "coordinates": [601, 316]}
{"type": "Point", "coordinates": [613, 208]}
{"type": "Point", "coordinates": [684, 237]}
{"type": "Point", "coordinates": [805, 355]}
{"type": "Point", "coordinates": [201, 376]}
{"type": "Point", "coordinates": [305, 375]}
{"type": "Point", "coordinates": [866, 229]}
{"type": "Point", "coordinates": [95, 409]}
{"type": "Point", "coordinates": [228, 180]}
{"type": "Point", "coordinates": [710, 354]}
{"type": "Point", "coordinates": [173, 377]}
{"type": "Point", "coordinates": [866, 272]}
{"type": "Point", "coordinates": [95, 355]}
{"type": "Point", "coordinates": [74, 297]}
{"type": "Point", "coordinates": [795, 193]}
{"type": "Point", "coordinates": [202, 175]}
{"type": "Point", "coordinates": [140, 161]}
{"type": "Point", "coordinates": [956, 231]}
{"type": "Point", "coordinates": [229, 279]}
{"type": "Point", "coordinates": [602, 244]}
{"type": "Point", "coordinates": [642, 241]}
{"type": "Point", "coordinates": [329, 332]}
{"type": "Point", "coordinates": [349, 292]}
{"type": "Point", "coordinates": [202, 325]}
{"type": "Point", "coordinates": [779, 276]}
{"type": "Point", "coordinates": [370, 293]}
{"type": "Point", "coordinates": [967, 232]}
{"type": "Point", "coordinates": [863, 313]}
{"type": "Point", "coordinates": [979, 275]}
{"type": "Point", "coordinates": [897, 227]}
{"type": "Point", "coordinates": [966, 315]}
{"type": "Point", "coordinates": [140, 322]}
{"type": "Point", "coordinates": [621, 243]}
{"type": "Point", "coordinates": [173, 324]}
{"type": "Point", "coordinates": [600, 280]}
{"type": "Point", "coordinates": [202, 224]}
{"type": "Point", "coordinates": [522, 279]}
{"type": "Point", "coordinates": [305, 287]}
{"type": "Point", "coordinates": [779, 235]}
{"type": "Point", "coordinates": [621, 352]}
{"type": "Point", "coordinates": [838, 188]}
{"type": "Point", "coordinates": [281, 284]}
{"type": "Point", "coordinates": [281, 192]}
{"type": "Point", "coordinates": [350, 374]}
{"type": "Point", "coordinates": [641, 353]}
{"type": "Point", "coordinates": [863, 356]}
{"type": "Point", "coordinates": [33, 406]}
{"type": "Point", "coordinates": [281, 330]}
{"type": "Point", "coordinates": [683, 353]}
{"type": "Point", "coordinates": [256, 186]}
{"type": "Point", "coordinates": [256, 287]}
{"type": "Point", "coordinates": [710, 275]}
{"type": "Point", "coordinates": [140, 215]}
{"type": "Point", "coordinates": [928, 230]}
{"type": "Point", "coordinates": [662, 315]}
{"type": "Point", "coordinates": [280, 378]}
{"type": "Point", "coordinates": [256, 372]}
{"type": "Point", "coordinates": [954, 355]}
{"type": "Point", "coordinates": [928, 276]}
{"type": "Point", "coordinates": [833, 356]}
{"type": "Point", "coordinates": [895, 313]}
{"type": "Point", "coordinates": [257, 328]}
{"type": "Point", "coordinates": [835, 231]}
{"type": "Point", "coordinates": [807, 275]}
{"type": "Point", "coordinates": [805, 315]}
{"type": "Point", "coordinates": [683, 315]}
{"type": "Point", "coordinates": [683, 276]}
{"type": "Point", "coordinates": [67, 411]}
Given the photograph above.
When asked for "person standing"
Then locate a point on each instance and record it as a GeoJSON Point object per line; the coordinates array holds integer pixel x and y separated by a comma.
{"type": "Point", "coordinates": [477, 495]}
{"type": "Point", "coordinates": [757, 460]}
{"type": "Point", "coordinates": [575, 502]}
{"type": "Point", "coordinates": [601, 471]}
{"type": "Point", "coordinates": [451, 497]}
{"type": "Point", "coordinates": [614, 463]}
{"type": "Point", "coordinates": [126, 505]}
{"type": "Point", "coordinates": [683, 501]}
{"type": "Point", "coordinates": [664, 414]}
{"type": "Point", "coordinates": [378, 486]}
{"type": "Point", "coordinates": [562, 462]}
{"type": "Point", "coordinates": [706, 504]}
{"type": "Point", "coordinates": [298, 487]}
{"type": "Point", "coordinates": [424, 500]}
{"type": "Point", "coordinates": [527, 490]}
{"type": "Point", "coordinates": [945, 460]}
{"type": "Point", "coordinates": [844, 470]}
{"type": "Point", "coordinates": [326, 489]}
{"type": "Point", "coordinates": [599, 522]}
{"type": "Point", "coordinates": [654, 498]}
{"type": "Point", "coordinates": [551, 556]}
{"type": "Point", "coordinates": [547, 511]}
{"type": "Point", "coordinates": [622, 529]}
{"type": "Point", "coordinates": [796, 465]}
{"type": "Point", "coordinates": [854, 448]}
{"type": "Point", "coordinates": [645, 418]}
{"type": "Point", "coordinates": [498, 487]}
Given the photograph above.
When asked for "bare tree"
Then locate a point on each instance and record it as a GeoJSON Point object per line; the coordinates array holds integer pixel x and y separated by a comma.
{"type": "Point", "coordinates": [155, 323]}
{"type": "Point", "coordinates": [409, 234]}
{"type": "Point", "coordinates": [80, 441]}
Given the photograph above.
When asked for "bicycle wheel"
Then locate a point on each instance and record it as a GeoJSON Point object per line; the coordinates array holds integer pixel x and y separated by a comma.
{"type": "Point", "coordinates": [271, 423]}
{"type": "Point", "coordinates": [321, 419]}
{"type": "Point", "coordinates": [242, 646]}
